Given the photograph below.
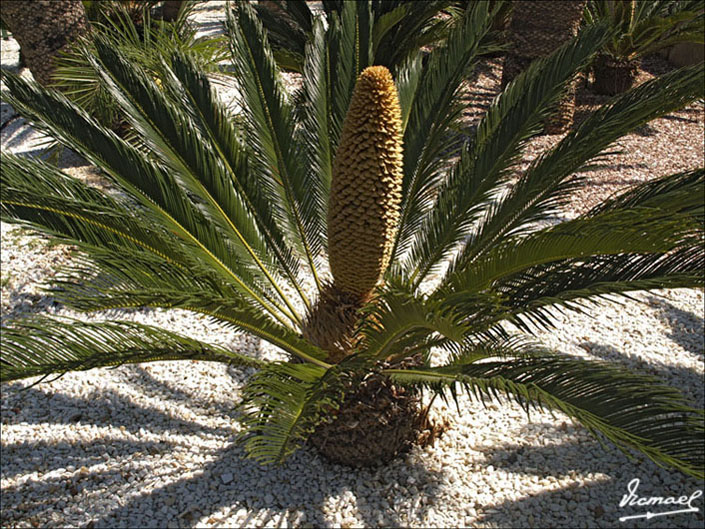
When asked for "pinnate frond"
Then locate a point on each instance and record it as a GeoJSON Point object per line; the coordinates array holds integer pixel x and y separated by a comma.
{"type": "Point", "coordinates": [42, 346]}
{"type": "Point", "coordinates": [632, 411]}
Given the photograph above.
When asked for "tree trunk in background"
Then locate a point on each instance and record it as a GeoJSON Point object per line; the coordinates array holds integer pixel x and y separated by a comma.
{"type": "Point", "coordinates": [536, 29]}
{"type": "Point", "coordinates": [171, 9]}
{"type": "Point", "coordinates": [43, 28]}
{"type": "Point", "coordinates": [614, 76]}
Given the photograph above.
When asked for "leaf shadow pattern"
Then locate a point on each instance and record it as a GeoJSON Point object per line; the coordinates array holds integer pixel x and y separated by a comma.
{"type": "Point", "coordinates": [689, 381]}
{"type": "Point", "coordinates": [146, 468]}
{"type": "Point", "coordinates": [687, 329]}
{"type": "Point", "coordinates": [577, 501]}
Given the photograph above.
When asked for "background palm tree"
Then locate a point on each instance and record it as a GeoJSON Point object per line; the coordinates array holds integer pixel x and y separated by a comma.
{"type": "Point", "coordinates": [536, 29]}
{"type": "Point", "coordinates": [397, 28]}
{"type": "Point", "coordinates": [640, 28]}
{"type": "Point", "coordinates": [43, 28]}
{"type": "Point", "coordinates": [223, 217]}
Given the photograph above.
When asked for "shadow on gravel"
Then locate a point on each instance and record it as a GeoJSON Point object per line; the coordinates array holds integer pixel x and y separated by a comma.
{"type": "Point", "coordinates": [120, 494]}
{"type": "Point", "coordinates": [107, 408]}
{"type": "Point", "coordinates": [270, 493]}
{"type": "Point", "coordinates": [688, 381]}
{"type": "Point", "coordinates": [29, 456]}
{"type": "Point", "coordinates": [581, 504]}
{"type": "Point", "coordinates": [687, 328]}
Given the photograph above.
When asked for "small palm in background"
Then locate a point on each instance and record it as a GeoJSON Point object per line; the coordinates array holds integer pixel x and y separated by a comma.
{"type": "Point", "coordinates": [640, 28]}
{"type": "Point", "coordinates": [348, 233]}
{"type": "Point", "coordinates": [143, 39]}
{"type": "Point", "coordinates": [397, 28]}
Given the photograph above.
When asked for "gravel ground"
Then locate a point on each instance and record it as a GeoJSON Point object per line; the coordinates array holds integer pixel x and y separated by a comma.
{"type": "Point", "coordinates": [152, 445]}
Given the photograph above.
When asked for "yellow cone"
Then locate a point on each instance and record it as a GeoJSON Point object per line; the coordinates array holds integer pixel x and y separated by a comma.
{"type": "Point", "coordinates": [363, 208]}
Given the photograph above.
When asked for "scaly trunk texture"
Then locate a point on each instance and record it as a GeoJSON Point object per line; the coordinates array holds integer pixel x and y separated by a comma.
{"type": "Point", "coordinates": [375, 423]}
{"type": "Point", "coordinates": [536, 29]}
{"type": "Point", "coordinates": [363, 208]}
{"type": "Point", "coordinates": [43, 28]}
{"type": "Point", "coordinates": [613, 76]}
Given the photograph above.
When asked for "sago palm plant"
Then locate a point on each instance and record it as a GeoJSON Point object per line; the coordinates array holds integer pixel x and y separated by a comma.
{"type": "Point", "coordinates": [640, 28]}
{"type": "Point", "coordinates": [240, 224]}
{"type": "Point", "coordinates": [141, 38]}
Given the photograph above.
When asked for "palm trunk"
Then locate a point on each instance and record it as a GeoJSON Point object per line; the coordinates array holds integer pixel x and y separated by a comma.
{"type": "Point", "coordinates": [171, 10]}
{"type": "Point", "coordinates": [614, 76]}
{"type": "Point", "coordinates": [43, 28]}
{"type": "Point", "coordinates": [537, 28]}
{"type": "Point", "coordinates": [376, 422]}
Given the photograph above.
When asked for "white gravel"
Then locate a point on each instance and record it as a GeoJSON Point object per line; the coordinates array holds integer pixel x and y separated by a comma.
{"type": "Point", "coordinates": [152, 445]}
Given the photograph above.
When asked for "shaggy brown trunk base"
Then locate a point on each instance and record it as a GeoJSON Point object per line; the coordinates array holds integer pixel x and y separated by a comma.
{"type": "Point", "coordinates": [331, 324]}
{"type": "Point", "coordinates": [612, 76]}
{"type": "Point", "coordinates": [375, 424]}
{"type": "Point", "coordinates": [43, 28]}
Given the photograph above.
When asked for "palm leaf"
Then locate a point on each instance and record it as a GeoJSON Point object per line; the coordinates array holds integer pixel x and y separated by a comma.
{"type": "Point", "coordinates": [271, 128]}
{"type": "Point", "coordinates": [398, 319]}
{"type": "Point", "coordinates": [144, 179]}
{"type": "Point", "coordinates": [432, 112]}
{"type": "Point", "coordinates": [144, 283]}
{"type": "Point", "coordinates": [283, 403]}
{"type": "Point", "coordinates": [545, 186]}
{"type": "Point", "coordinates": [636, 230]}
{"type": "Point", "coordinates": [513, 118]}
{"type": "Point", "coordinates": [170, 133]}
{"type": "Point", "coordinates": [632, 411]}
{"type": "Point", "coordinates": [42, 345]}
{"type": "Point", "coordinates": [315, 112]}
{"type": "Point", "coordinates": [215, 123]}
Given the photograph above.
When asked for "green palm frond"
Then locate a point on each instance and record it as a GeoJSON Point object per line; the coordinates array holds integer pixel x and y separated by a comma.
{"type": "Point", "coordinates": [407, 80]}
{"type": "Point", "coordinates": [486, 162]}
{"type": "Point", "coordinates": [346, 60]}
{"type": "Point", "coordinates": [215, 124]}
{"type": "Point", "coordinates": [391, 31]}
{"type": "Point", "coordinates": [316, 132]}
{"type": "Point", "coordinates": [547, 183]}
{"type": "Point", "coordinates": [677, 192]}
{"type": "Point", "coordinates": [633, 411]}
{"type": "Point", "coordinates": [432, 113]}
{"type": "Point", "coordinates": [41, 196]}
{"type": "Point", "coordinates": [144, 179]}
{"type": "Point", "coordinates": [145, 43]}
{"type": "Point", "coordinates": [169, 131]}
{"type": "Point", "coordinates": [647, 26]}
{"type": "Point", "coordinates": [271, 127]}
{"type": "Point", "coordinates": [636, 230]}
{"type": "Point", "coordinates": [531, 297]}
{"type": "Point", "coordinates": [283, 403]}
{"type": "Point", "coordinates": [104, 282]}
{"type": "Point", "coordinates": [42, 346]}
{"type": "Point", "coordinates": [398, 319]}
{"type": "Point", "coordinates": [616, 248]}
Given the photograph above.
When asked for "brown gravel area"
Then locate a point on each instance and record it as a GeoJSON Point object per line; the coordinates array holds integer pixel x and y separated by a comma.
{"type": "Point", "coordinates": [666, 145]}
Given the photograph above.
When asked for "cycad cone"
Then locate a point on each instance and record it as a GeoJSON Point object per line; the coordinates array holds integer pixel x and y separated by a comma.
{"type": "Point", "coordinates": [363, 209]}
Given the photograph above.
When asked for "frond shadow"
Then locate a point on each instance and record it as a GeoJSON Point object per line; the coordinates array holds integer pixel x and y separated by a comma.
{"type": "Point", "coordinates": [580, 500]}
{"type": "Point", "coordinates": [687, 329]}
{"type": "Point", "coordinates": [689, 381]}
{"type": "Point", "coordinates": [226, 481]}
{"type": "Point", "coordinates": [108, 408]}
{"type": "Point", "coordinates": [274, 493]}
